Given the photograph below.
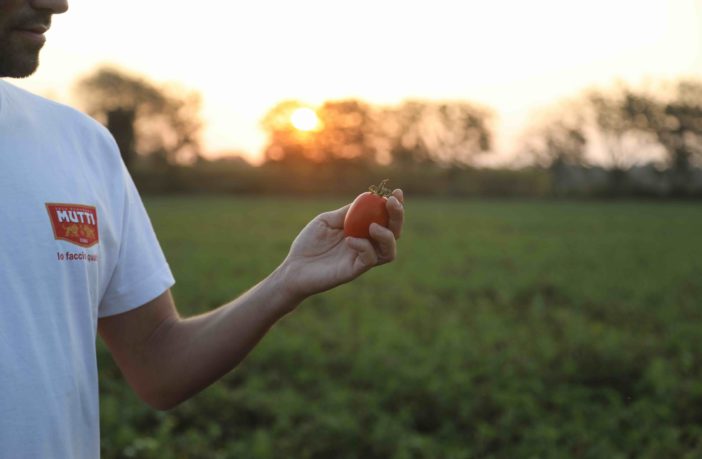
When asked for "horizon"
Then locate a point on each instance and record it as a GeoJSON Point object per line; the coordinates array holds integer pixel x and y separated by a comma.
{"type": "Point", "coordinates": [513, 58]}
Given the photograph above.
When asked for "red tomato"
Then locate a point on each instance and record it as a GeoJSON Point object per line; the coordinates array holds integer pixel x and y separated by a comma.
{"type": "Point", "coordinates": [367, 208]}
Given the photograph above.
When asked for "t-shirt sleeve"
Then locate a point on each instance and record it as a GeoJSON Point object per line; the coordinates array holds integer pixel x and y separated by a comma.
{"type": "Point", "coordinates": [141, 272]}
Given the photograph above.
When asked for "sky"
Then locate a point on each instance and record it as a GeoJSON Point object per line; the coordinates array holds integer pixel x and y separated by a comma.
{"type": "Point", "coordinates": [244, 57]}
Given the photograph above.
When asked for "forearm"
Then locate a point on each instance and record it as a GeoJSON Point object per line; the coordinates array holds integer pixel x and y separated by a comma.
{"type": "Point", "coordinates": [167, 359]}
{"type": "Point", "coordinates": [187, 355]}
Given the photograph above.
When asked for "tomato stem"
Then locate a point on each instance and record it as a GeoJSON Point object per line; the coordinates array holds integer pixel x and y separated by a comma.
{"type": "Point", "coordinates": [381, 189]}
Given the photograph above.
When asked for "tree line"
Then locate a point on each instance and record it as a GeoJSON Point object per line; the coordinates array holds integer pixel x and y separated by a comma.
{"type": "Point", "coordinates": [617, 141]}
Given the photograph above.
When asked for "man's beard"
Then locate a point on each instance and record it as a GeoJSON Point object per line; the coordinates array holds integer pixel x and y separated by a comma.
{"type": "Point", "coordinates": [18, 63]}
{"type": "Point", "coordinates": [19, 58]}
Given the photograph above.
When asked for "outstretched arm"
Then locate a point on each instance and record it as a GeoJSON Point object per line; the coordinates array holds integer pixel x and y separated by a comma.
{"type": "Point", "coordinates": [167, 359]}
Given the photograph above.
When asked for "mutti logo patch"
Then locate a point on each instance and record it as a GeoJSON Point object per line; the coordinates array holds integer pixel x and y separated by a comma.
{"type": "Point", "coordinates": [74, 223]}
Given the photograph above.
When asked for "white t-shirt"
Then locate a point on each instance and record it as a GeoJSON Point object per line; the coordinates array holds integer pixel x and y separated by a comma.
{"type": "Point", "coordinates": [75, 244]}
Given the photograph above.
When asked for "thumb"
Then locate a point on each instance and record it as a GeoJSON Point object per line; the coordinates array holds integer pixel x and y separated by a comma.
{"type": "Point", "coordinates": [335, 218]}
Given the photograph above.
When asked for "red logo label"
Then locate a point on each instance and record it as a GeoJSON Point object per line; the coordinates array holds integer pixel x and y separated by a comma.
{"type": "Point", "coordinates": [74, 223]}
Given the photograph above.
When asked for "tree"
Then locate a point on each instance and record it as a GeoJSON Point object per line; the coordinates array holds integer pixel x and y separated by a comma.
{"type": "Point", "coordinates": [345, 132]}
{"type": "Point", "coordinates": [618, 136]}
{"type": "Point", "coordinates": [614, 130]}
{"type": "Point", "coordinates": [676, 123]}
{"type": "Point", "coordinates": [143, 118]}
{"type": "Point", "coordinates": [348, 132]}
{"type": "Point", "coordinates": [447, 133]}
{"type": "Point", "coordinates": [286, 143]}
{"type": "Point", "coordinates": [591, 129]}
{"type": "Point", "coordinates": [558, 138]}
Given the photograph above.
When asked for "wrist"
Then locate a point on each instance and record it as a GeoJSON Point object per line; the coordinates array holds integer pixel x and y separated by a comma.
{"type": "Point", "coordinates": [287, 297]}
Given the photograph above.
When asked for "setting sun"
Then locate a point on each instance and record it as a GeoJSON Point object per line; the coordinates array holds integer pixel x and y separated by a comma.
{"type": "Point", "coordinates": [304, 119]}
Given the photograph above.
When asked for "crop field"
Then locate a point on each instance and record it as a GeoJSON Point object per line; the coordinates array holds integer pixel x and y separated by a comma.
{"type": "Point", "coordinates": [505, 329]}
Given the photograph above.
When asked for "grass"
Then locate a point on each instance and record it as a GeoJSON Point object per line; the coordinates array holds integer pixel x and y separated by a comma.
{"type": "Point", "coordinates": [504, 329]}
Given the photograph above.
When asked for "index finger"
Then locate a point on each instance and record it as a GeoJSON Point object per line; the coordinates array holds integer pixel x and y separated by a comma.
{"type": "Point", "coordinates": [396, 212]}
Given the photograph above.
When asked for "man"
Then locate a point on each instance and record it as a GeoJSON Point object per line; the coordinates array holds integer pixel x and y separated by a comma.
{"type": "Point", "coordinates": [78, 258]}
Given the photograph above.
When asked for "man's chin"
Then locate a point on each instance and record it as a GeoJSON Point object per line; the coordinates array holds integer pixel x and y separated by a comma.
{"type": "Point", "coordinates": [18, 63]}
{"type": "Point", "coordinates": [18, 69]}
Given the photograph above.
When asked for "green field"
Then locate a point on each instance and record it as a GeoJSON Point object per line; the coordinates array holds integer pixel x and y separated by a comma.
{"type": "Point", "coordinates": [505, 329]}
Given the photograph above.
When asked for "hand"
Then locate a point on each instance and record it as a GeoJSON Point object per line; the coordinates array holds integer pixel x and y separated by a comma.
{"type": "Point", "coordinates": [322, 257]}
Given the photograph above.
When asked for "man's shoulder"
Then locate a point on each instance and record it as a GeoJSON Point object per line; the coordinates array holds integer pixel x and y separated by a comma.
{"type": "Point", "coordinates": [50, 110]}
